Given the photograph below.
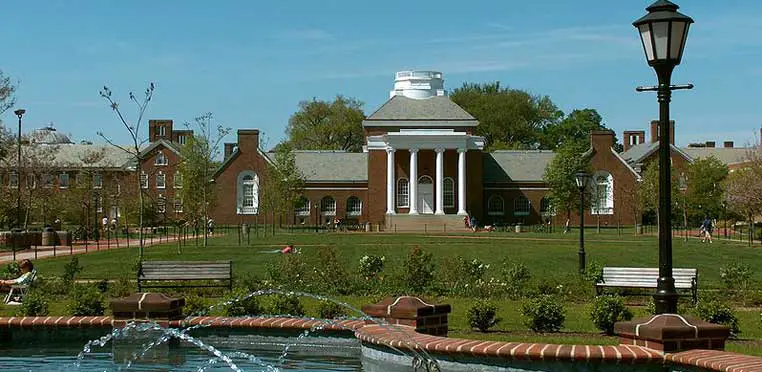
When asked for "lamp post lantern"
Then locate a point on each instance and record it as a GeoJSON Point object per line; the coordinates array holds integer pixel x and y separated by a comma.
{"type": "Point", "coordinates": [582, 180]}
{"type": "Point", "coordinates": [20, 113]}
{"type": "Point", "coordinates": [663, 32]}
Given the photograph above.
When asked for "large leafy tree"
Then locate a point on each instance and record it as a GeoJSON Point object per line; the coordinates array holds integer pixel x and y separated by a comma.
{"type": "Point", "coordinates": [706, 185]}
{"type": "Point", "coordinates": [574, 129]}
{"type": "Point", "coordinates": [508, 118]}
{"type": "Point", "coordinates": [199, 154]}
{"type": "Point", "coordinates": [560, 176]}
{"type": "Point", "coordinates": [324, 125]}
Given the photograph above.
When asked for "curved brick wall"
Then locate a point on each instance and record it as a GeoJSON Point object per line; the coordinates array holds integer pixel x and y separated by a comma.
{"type": "Point", "coordinates": [711, 360]}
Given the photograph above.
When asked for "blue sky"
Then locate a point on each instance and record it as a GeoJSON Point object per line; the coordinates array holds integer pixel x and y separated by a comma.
{"type": "Point", "coordinates": [251, 62]}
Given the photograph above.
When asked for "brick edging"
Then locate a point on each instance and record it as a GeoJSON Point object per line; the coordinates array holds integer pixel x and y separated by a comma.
{"type": "Point", "coordinates": [388, 335]}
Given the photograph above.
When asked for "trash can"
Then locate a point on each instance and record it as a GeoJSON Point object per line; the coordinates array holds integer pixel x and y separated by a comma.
{"type": "Point", "coordinates": [48, 237]}
{"type": "Point", "coordinates": [518, 228]}
{"type": "Point", "coordinates": [63, 237]}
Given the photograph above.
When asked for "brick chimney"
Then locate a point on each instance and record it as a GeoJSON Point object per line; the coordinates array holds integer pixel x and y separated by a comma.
{"type": "Point", "coordinates": [655, 131]}
{"type": "Point", "coordinates": [248, 140]}
{"type": "Point", "coordinates": [727, 144]}
{"type": "Point", "coordinates": [601, 140]}
{"type": "Point", "coordinates": [633, 137]}
{"type": "Point", "coordinates": [159, 129]}
{"type": "Point", "coordinates": [710, 144]}
{"type": "Point", "coordinates": [229, 147]}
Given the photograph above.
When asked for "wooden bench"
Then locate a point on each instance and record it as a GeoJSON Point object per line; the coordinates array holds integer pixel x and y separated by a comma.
{"type": "Point", "coordinates": [646, 278]}
{"type": "Point", "coordinates": [173, 274]}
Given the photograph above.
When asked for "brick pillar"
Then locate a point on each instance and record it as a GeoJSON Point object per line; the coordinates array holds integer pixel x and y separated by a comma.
{"type": "Point", "coordinates": [672, 333]}
{"type": "Point", "coordinates": [412, 311]}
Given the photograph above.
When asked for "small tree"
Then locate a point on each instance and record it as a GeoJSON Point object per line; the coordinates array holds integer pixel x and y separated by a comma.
{"type": "Point", "coordinates": [133, 128]}
{"type": "Point", "coordinates": [560, 176]}
{"type": "Point", "coordinates": [283, 183]}
{"type": "Point", "coordinates": [706, 184]}
{"type": "Point", "coordinates": [199, 154]}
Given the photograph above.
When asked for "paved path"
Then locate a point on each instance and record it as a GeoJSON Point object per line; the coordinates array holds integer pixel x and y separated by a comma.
{"type": "Point", "coordinates": [92, 246]}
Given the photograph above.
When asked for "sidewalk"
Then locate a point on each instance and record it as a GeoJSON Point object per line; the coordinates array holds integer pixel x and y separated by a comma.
{"type": "Point", "coordinates": [79, 248]}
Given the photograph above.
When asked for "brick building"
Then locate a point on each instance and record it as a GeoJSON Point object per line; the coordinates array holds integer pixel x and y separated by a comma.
{"type": "Point", "coordinates": [422, 167]}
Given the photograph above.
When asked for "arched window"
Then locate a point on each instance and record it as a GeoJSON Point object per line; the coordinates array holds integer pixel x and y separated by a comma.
{"type": "Point", "coordinates": [547, 208]}
{"type": "Point", "coordinates": [161, 159]}
{"type": "Point", "coordinates": [403, 193]}
{"type": "Point", "coordinates": [521, 206]}
{"type": "Point", "coordinates": [495, 205]}
{"type": "Point", "coordinates": [448, 192]}
{"type": "Point", "coordinates": [354, 206]}
{"type": "Point", "coordinates": [328, 206]}
{"type": "Point", "coordinates": [302, 207]}
{"type": "Point", "coordinates": [602, 198]}
{"type": "Point", "coordinates": [248, 193]}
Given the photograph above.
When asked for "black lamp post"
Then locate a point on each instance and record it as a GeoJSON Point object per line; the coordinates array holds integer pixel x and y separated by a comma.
{"type": "Point", "coordinates": [663, 32]}
{"type": "Point", "coordinates": [582, 179]}
{"type": "Point", "coordinates": [683, 185]}
{"type": "Point", "coordinates": [20, 113]}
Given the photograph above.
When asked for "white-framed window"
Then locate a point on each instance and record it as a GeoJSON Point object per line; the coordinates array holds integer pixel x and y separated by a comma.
{"type": "Point", "coordinates": [181, 139]}
{"type": "Point", "coordinates": [161, 204]}
{"type": "Point", "coordinates": [161, 180]}
{"type": "Point", "coordinates": [354, 206]}
{"type": "Point", "coordinates": [63, 181]}
{"type": "Point", "coordinates": [495, 205]}
{"type": "Point", "coordinates": [448, 192]}
{"type": "Point", "coordinates": [143, 180]}
{"type": "Point", "coordinates": [302, 207]}
{"type": "Point", "coordinates": [178, 180]}
{"type": "Point", "coordinates": [178, 205]}
{"type": "Point", "coordinates": [13, 180]}
{"type": "Point", "coordinates": [99, 207]}
{"type": "Point", "coordinates": [97, 181]}
{"type": "Point", "coordinates": [247, 193]}
{"type": "Point", "coordinates": [547, 208]}
{"type": "Point", "coordinates": [521, 206]}
{"type": "Point", "coordinates": [160, 159]}
{"type": "Point", "coordinates": [162, 131]}
{"type": "Point", "coordinates": [403, 193]}
{"type": "Point", "coordinates": [328, 206]}
{"type": "Point", "coordinates": [602, 198]}
{"type": "Point", "coordinates": [31, 180]}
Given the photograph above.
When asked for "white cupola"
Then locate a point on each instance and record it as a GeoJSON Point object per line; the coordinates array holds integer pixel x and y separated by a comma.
{"type": "Point", "coordinates": [418, 84]}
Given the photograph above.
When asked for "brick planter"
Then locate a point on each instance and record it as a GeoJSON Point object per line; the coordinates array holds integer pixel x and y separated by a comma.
{"type": "Point", "coordinates": [148, 306]}
{"type": "Point", "coordinates": [672, 333]}
{"type": "Point", "coordinates": [412, 311]}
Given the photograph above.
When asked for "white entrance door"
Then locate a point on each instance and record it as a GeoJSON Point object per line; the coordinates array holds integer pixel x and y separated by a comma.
{"type": "Point", "coordinates": [425, 195]}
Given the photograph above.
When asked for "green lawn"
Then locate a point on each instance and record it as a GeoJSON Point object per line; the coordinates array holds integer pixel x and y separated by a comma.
{"type": "Point", "coordinates": [546, 255]}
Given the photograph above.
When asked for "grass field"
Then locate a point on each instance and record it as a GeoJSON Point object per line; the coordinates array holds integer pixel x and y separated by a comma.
{"type": "Point", "coordinates": [546, 255]}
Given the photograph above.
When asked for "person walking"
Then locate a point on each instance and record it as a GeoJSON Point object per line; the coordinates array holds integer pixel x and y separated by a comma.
{"type": "Point", "coordinates": [706, 227]}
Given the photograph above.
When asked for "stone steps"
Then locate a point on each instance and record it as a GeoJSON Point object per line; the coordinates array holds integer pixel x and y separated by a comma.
{"type": "Point", "coordinates": [425, 223]}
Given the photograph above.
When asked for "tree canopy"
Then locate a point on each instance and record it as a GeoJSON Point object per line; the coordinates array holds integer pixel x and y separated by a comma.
{"type": "Point", "coordinates": [7, 89]}
{"type": "Point", "coordinates": [706, 185]}
{"type": "Point", "coordinates": [574, 128]}
{"type": "Point", "coordinates": [323, 125]}
{"type": "Point", "coordinates": [508, 118]}
{"type": "Point", "coordinates": [560, 176]}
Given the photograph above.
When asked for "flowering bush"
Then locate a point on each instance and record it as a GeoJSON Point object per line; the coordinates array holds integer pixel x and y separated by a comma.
{"type": "Point", "coordinates": [418, 270]}
{"type": "Point", "coordinates": [516, 276]}
{"type": "Point", "coordinates": [736, 275]}
{"type": "Point", "coordinates": [371, 266]}
{"type": "Point", "coordinates": [473, 269]}
{"type": "Point", "coordinates": [544, 314]}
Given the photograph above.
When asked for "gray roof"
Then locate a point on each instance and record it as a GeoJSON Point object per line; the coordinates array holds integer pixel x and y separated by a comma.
{"type": "Point", "coordinates": [516, 166]}
{"type": "Point", "coordinates": [74, 156]}
{"type": "Point", "coordinates": [437, 108]}
{"type": "Point", "coordinates": [332, 166]}
{"type": "Point", "coordinates": [48, 136]}
{"type": "Point", "coordinates": [727, 156]}
{"type": "Point", "coordinates": [636, 153]}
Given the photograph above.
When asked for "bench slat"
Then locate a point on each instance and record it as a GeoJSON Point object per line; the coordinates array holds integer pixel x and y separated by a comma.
{"type": "Point", "coordinates": [153, 272]}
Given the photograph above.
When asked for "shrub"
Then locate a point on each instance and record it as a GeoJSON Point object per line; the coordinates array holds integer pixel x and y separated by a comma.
{"type": "Point", "coordinates": [371, 266]}
{"type": "Point", "coordinates": [736, 275]}
{"type": "Point", "coordinates": [122, 287]}
{"type": "Point", "coordinates": [474, 269]}
{"type": "Point", "coordinates": [102, 286]}
{"type": "Point", "coordinates": [286, 305]}
{"type": "Point", "coordinates": [248, 282]}
{"type": "Point", "coordinates": [593, 273]}
{"type": "Point", "coordinates": [718, 312]}
{"type": "Point", "coordinates": [516, 275]}
{"type": "Point", "coordinates": [543, 314]}
{"type": "Point", "coordinates": [196, 306]}
{"type": "Point", "coordinates": [34, 304]}
{"type": "Point", "coordinates": [11, 270]}
{"type": "Point", "coordinates": [482, 315]}
{"type": "Point", "coordinates": [331, 276]}
{"type": "Point", "coordinates": [242, 307]}
{"type": "Point", "coordinates": [331, 310]}
{"type": "Point", "coordinates": [607, 310]}
{"type": "Point", "coordinates": [651, 307]}
{"type": "Point", "coordinates": [52, 286]}
{"type": "Point", "coordinates": [292, 273]}
{"type": "Point", "coordinates": [418, 270]}
{"type": "Point", "coordinates": [86, 300]}
{"type": "Point", "coordinates": [71, 270]}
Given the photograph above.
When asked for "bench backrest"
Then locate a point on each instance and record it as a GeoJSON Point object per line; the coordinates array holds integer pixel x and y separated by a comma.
{"type": "Point", "coordinates": [647, 276]}
{"type": "Point", "coordinates": [185, 270]}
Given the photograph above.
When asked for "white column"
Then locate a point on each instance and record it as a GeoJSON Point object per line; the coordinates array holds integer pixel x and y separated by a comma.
{"type": "Point", "coordinates": [462, 182]}
{"type": "Point", "coordinates": [413, 194]}
{"type": "Point", "coordinates": [439, 181]}
{"type": "Point", "coordinates": [390, 180]}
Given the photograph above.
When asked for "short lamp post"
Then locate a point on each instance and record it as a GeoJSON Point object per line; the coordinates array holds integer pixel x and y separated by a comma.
{"type": "Point", "coordinates": [582, 180]}
{"type": "Point", "coordinates": [663, 32]}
